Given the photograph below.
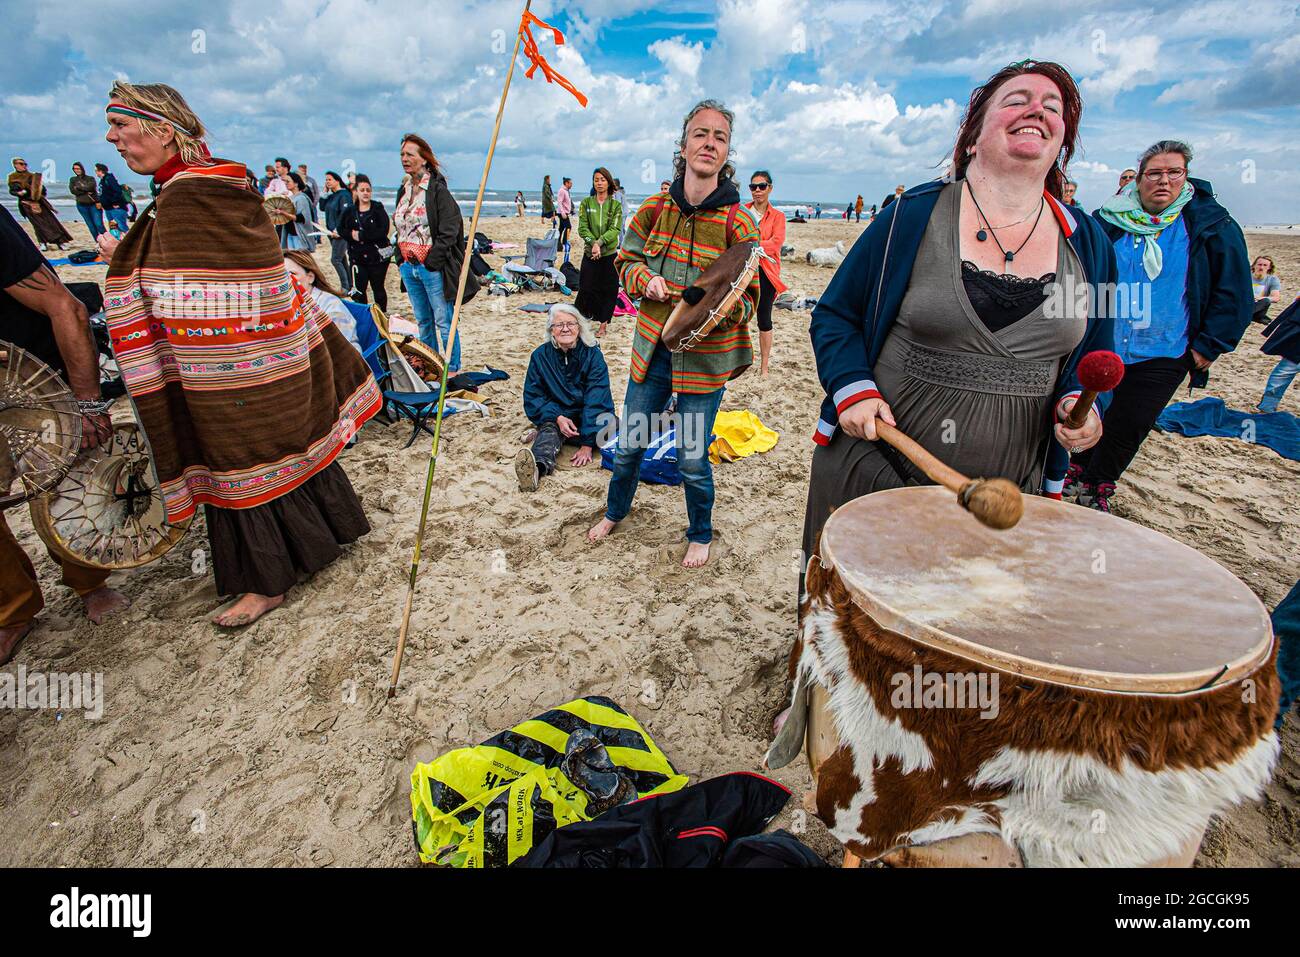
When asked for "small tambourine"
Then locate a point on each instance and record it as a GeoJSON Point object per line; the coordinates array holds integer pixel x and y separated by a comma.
{"type": "Point", "coordinates": [280, 209]}
{"type": "Point", "coordinates": [710, 299]}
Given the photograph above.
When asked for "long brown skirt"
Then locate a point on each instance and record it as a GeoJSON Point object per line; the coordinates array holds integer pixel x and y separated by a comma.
{"type": "Point", "coordinates": [265, 549]}
{"type": "Point", "coordinates": [46, 224]}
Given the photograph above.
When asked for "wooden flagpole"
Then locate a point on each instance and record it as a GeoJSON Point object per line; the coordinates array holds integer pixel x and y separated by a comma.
{"type": "Point", "coordinates": [447, 348]}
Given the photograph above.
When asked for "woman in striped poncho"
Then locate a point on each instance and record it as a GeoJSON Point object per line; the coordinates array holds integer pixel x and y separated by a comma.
{"type": "Point", "coordinates": [672, 239]}
{"type": "Point", "coordinates": [246, 390]}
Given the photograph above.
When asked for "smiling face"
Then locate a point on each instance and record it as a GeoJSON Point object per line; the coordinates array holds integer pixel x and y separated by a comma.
{"type": "Point", "coordinates": [564, 327]}
{"type": "Point", "coordinates": [1067, 192]}
{"type": "Point", "coordinates": [1023, 124]}
{"type": "Point", "coordinates": [1161, 180]}
{"type": "Point", "coordinates": [143, 153]}
{"type": "Point", "coordinates": [708, 142]}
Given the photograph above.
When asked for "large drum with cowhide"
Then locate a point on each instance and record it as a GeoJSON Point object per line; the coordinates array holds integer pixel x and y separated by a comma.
{"type": "Point", "coordinates": [1075, 691]}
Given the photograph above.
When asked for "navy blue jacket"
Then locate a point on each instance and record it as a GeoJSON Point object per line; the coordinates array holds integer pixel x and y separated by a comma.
{"type": "Point", "coordinates": [573, 384]}
{"type": "Point", "coordinates": [1220, 299]}
{"type": "Point", "coordinates": [852, 320]}
{"type": "Point", "coordinates": [110, 193]}
{"type": "Point", "coordinates": [335, 204]}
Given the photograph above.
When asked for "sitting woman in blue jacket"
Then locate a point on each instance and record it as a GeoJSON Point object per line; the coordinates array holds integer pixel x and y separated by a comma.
{"type": "Point", "coordinates": [566, 395]}
{"type": "Point", "coordinates": [961, 313]}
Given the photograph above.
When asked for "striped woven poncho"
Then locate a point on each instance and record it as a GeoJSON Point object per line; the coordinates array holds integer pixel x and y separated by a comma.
{"type": "Point", "coordinates": [242, 384]}
{"type": "Point", "coordinates": [661, 241]}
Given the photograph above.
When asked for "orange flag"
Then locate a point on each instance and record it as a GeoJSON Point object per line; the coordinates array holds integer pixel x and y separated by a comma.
{"type": "Point", "coordinates": [536, 59]}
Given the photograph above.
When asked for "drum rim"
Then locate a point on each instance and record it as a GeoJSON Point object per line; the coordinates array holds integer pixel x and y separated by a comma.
{"type": "Point", "coordinates": [746, 276]}
{"type": "Point", "coordinates": [1163, 683]}
{"type": "Point", "coordinates": [45, 527]}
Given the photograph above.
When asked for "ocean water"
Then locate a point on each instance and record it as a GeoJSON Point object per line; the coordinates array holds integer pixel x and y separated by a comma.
{"type": "Point", "coordinates": [497, 204]}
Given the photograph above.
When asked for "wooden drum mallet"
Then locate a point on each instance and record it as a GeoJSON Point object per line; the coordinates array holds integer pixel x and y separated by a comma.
{"type": "Point", "coordinates": [995, 502]}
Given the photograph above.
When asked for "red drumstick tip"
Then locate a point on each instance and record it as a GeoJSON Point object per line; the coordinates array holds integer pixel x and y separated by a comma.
{"type": "Point", "coordinates": [1100, 371]}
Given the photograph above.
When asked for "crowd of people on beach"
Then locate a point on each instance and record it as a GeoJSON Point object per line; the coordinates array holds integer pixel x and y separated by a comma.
{"type": "Point", "coordinates": [918, 351]}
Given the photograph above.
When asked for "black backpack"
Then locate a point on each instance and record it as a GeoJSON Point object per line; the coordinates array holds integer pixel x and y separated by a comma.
{"type": "Point", "coordinates": [570, 274]}
{"type": "Point", "coordinates": [482, 244]}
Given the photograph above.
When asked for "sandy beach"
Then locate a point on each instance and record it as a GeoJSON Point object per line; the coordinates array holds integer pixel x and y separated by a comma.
{"type": "Point", "coordinates": [276, 745]}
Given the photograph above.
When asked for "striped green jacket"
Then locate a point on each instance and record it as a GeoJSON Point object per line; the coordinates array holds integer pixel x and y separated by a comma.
{"type": "Point", "coordinates": [679, 248]}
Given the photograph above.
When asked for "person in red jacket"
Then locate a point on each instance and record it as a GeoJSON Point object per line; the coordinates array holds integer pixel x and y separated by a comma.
{"type": "Point", "coordinates": [771, 227]}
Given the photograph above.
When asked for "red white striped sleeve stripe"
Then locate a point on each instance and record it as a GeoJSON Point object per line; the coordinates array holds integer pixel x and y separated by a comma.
{"type": "Point", "coordinates": [846, 396]}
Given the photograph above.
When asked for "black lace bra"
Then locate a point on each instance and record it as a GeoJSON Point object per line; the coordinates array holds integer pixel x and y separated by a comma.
{"type": "Point", "coordinates": [1001, 299]}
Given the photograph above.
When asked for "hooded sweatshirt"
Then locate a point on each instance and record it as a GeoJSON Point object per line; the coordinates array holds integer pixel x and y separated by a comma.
{"type": "Point", "coordinates": [672, 238]}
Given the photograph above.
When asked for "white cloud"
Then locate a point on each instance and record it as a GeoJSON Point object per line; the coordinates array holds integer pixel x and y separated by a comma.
{"type": "Point", "coordinates": [678, 55]}
{"type": "Point", "coordinates": [836, 96]}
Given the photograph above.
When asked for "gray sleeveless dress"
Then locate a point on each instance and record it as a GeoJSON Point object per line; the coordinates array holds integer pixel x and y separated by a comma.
{"type": "Point", "coordinates": [980, 401]}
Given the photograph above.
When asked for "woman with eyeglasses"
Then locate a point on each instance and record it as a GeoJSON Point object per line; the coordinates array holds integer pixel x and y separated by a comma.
{"type": "Point", "coordinates": [1184, 299]}
{"type": "Point", "coordinates": [771, 229]}
{"type": "Point", "coordinates": [566, 396]}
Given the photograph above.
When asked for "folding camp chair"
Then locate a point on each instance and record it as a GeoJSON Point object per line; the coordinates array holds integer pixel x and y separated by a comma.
{"type": "Point", "coordinates": [406, 395]}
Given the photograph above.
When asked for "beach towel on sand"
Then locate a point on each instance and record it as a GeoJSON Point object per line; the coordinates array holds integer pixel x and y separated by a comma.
{"type": "Point", "coordinates": [738, 433]}
{"type": "Point", "coordinates": [487, 806]}
{"type": "Point", "coordinates": [1280, 431]}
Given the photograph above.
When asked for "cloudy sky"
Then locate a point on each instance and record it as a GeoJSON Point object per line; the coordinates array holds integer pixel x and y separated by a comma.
{"type": "Point", "coordinates": [836, 97]}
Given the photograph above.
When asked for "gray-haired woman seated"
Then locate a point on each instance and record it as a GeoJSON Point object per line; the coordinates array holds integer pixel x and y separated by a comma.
{"type": "Point", "coordinates": [566, 395]}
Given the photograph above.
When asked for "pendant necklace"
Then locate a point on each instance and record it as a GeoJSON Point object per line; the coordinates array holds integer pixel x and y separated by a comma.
{"type": "Point", "coordinates": [1008, 255]}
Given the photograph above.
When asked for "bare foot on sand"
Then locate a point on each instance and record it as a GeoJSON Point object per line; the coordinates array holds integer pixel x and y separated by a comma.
{"type": "Point", "coordinates": [697, 554]}
{"type": "Point", "coordinates": [246, 610]}
{"type": "Point", "coordinates": [10, 639]}
{"type": "Point", "coordinates": [600, 530]}
{"type": "Point", "coordinates": [102, 602]}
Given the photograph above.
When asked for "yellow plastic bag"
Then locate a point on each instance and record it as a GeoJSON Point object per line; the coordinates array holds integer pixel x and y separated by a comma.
{"type": "Point", "coordinates": [486, 806]}
{"type": "Point", "coordinates": [738, 433]}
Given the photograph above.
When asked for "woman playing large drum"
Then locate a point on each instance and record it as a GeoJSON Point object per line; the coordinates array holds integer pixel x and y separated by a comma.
{"type": "Point", "coordinates": [246, 390]}
{"type": "Point", "coordinates": [960, 315]}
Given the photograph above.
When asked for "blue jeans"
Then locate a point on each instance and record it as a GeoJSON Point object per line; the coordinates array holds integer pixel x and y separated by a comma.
{"type": "Point", "coordinates": [694, 421]}
{"type": "Point", "coordinates": [1278, 380]}
{"type": "Point", "coordinates": [93, 218]}
{"type": "Point", "coordinates": [432, 310]}
{"type": "Point", "coordinates": [118, 216]}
